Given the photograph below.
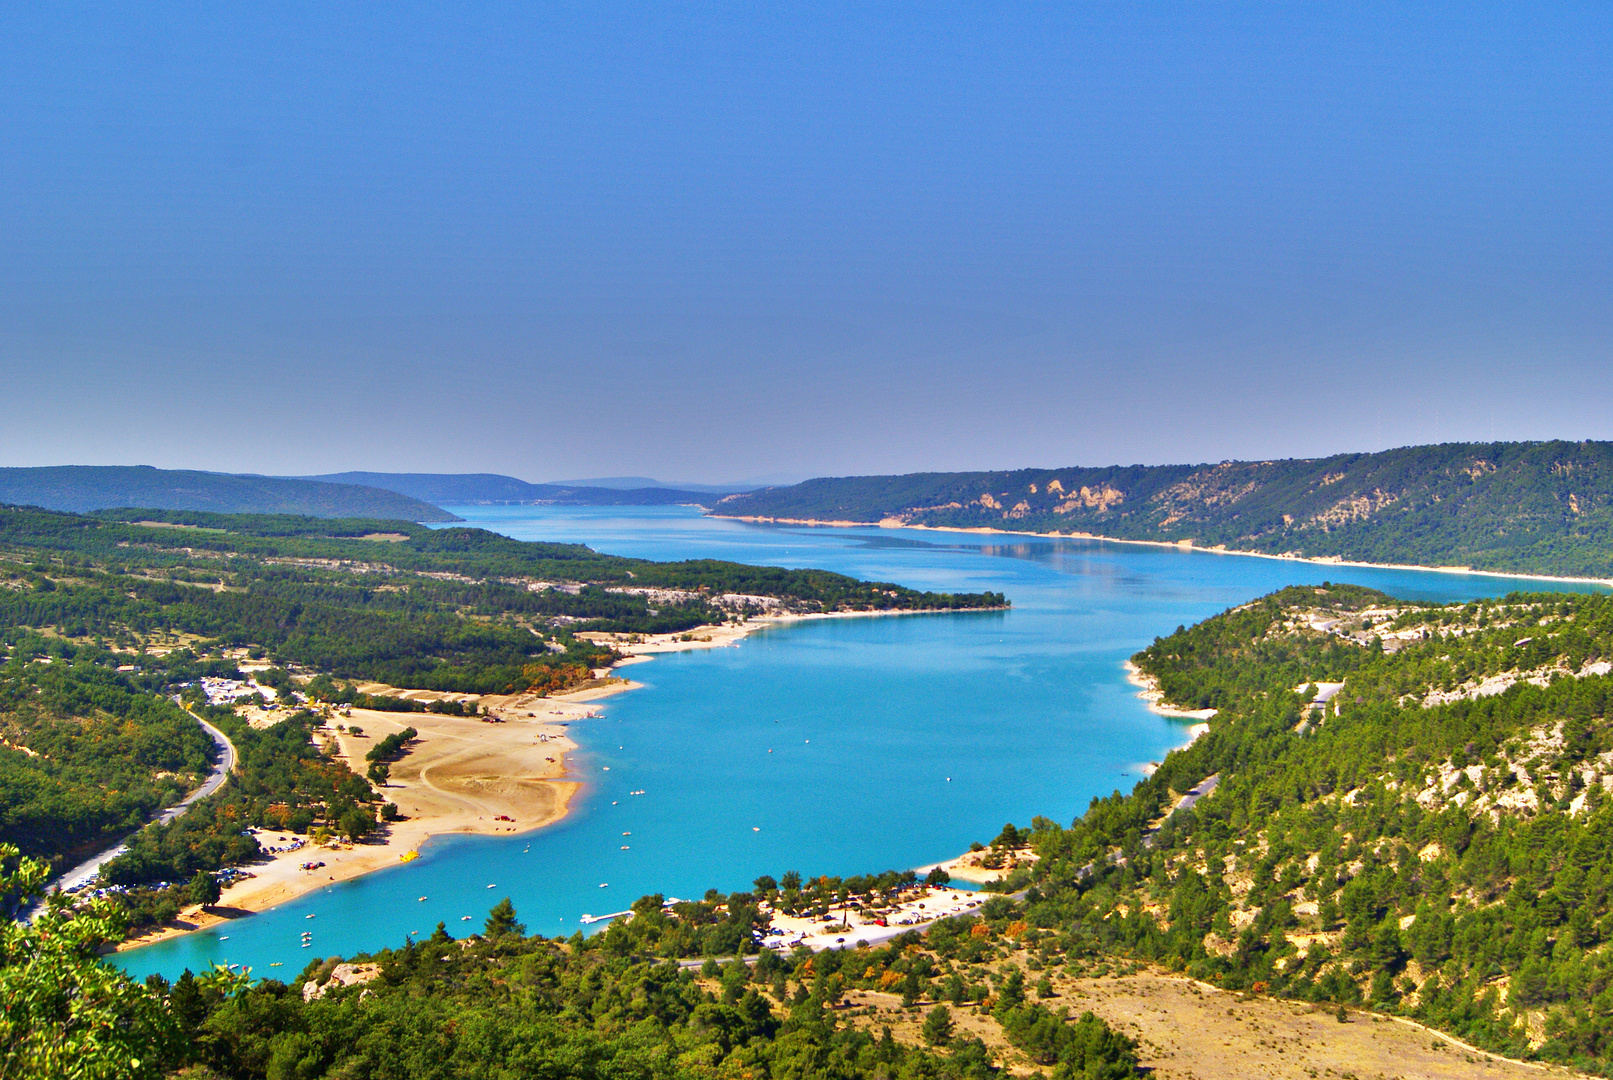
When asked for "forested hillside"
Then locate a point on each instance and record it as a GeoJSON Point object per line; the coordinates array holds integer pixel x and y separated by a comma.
{"type": "Point", "coordinates": [88, 754]}
{"type": "Point", "coordinates": [1531, 507]}
{"type": "Point", "coordinates": [617, 1006]}
{"type": "Point", "coordinates": [81, 488]}
{"type": "Point", "coordinates": [1434, 839]}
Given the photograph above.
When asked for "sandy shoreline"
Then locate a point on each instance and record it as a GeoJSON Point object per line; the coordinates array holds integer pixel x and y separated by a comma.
{"type": "Point", "coordinates": [461, 775]}
{"type": "Point", "coordinates": [1149, 691]}
{"type": "Point", "coordinates": [1180, 545]}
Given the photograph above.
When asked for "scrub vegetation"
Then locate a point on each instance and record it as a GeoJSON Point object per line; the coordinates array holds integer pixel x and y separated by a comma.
{"type": "Point", "coordinates": [1432, 841]}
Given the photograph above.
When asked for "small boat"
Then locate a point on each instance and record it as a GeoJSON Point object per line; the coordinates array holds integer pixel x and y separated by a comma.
{"type": "Point", "coordinates": [307, 916]}
{"type": "Point", "coordinates": [409, 856]}
{"type": "Point", "coordinates": [604, 884]}
{"type": "Point", "coordinates": [492, 886]}
{"type": "Point", "coordinates": [624, 847]}
{"type": "Point", "coordinates": [224, 937]}
{"type": "Point", "coordinates": [277, 963]}
{"type": "Point", "coordinates": [464, 918]}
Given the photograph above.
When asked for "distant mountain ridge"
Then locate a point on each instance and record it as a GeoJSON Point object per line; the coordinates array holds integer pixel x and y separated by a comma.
{"type": "Point", "coordinates": [641, 483]}
{"type": "Point", "coordinates": [83, 488]}
{"type": "Point", "coordinates": [465, 489]}
{"type": "Point", "coordinates": [1538, 507]}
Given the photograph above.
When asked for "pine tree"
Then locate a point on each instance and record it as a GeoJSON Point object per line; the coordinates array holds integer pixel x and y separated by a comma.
{"type": "Point", "coordinates": [501, 920]}
{"type": "Point", "coordinates": [938, 1026]}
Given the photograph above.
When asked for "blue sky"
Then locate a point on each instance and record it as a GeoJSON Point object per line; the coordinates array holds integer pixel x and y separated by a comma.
{"type": "Point", "coordinates": [717, 242]}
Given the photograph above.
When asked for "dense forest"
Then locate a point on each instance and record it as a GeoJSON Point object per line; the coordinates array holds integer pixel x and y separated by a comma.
{"type": "Point", "coordinates": [617, 1005]}
{"type": "Point", "coordinates": [455, 609]}
{"type": "Point", "coordinates": [1543, 508]}
{"type": "Point", "coordinates": [89, 754]}
{"type": "Point", "coordinates": [1432, 840]}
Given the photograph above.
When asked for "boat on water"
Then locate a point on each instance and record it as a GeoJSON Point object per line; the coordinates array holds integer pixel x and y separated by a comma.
{"type": "Point", "coordinates": [409, 856]}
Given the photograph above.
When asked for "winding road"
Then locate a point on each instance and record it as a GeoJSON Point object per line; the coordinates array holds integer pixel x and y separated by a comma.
{"type": "Point", "coordinates": [85, 871]}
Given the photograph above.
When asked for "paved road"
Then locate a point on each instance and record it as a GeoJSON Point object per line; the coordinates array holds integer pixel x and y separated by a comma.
{"type": "Point", "coordinates": [1201, 790]}
{"type": "Point", "coordinates": [86, 870]}
{"type": "Point", "coordinates": [1198, 791]}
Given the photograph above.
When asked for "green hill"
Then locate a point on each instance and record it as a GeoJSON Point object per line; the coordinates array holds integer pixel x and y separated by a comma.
{"type": "Point", "coordinates": [82, 488]}
{"type": "Point", "coordinates": [1542, 507]}
{"type": "Point", "coordinates": [1413, 812]}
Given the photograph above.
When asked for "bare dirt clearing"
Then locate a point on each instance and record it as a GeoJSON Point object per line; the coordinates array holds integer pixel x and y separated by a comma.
{"type": "Point", "coordinates": [1189, 1031]}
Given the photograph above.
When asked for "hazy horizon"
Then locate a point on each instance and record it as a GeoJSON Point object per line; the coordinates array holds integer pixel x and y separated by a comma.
{"type": "Point", "coordinates": [706, 244]}
{"type": "Point", "coordinates": [746, 483]}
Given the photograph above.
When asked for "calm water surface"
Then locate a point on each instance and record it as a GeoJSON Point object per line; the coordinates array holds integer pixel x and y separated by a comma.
{"type": "Point", "coordinates": [840, 746]}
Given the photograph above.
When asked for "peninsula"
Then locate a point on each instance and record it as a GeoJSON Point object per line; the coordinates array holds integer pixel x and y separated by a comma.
{"type": "Point", "coordinates": [382, 681]}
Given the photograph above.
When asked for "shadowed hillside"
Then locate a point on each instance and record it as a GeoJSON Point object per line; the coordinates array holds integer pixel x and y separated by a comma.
{"type": "Point", "coordinates": [82, 488]}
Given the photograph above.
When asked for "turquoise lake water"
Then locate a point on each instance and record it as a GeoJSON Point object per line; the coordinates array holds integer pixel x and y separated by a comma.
{"type": "Point", "coordinates": [896, 740]}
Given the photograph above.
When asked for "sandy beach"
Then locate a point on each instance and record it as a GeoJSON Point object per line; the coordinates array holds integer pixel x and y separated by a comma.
{"type": "Point", "coordinates": [1148, 689]}
{"type": "Point", "coordinates": [460, 774]}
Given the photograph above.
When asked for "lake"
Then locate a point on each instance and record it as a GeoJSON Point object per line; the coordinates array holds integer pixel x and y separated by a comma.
{"type": "Point", "coordinates": [838, 746]}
